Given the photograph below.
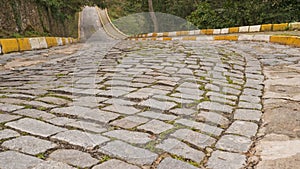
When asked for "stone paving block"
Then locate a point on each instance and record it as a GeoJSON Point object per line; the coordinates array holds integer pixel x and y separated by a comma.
{"type": "Point", "coordinates": [15, 160]}
{"type": "Point", "coordinates": [39, 104]}
{"type": "Point", "coordinates": [221, 160]}
{"type": "Point", "coordinates": [33, 113]}
{"type": "Point", "coordinates": [49, 164]}
{"type": "Point", "coordinates": [121, 109]}
{"type": "Point", "coordinates": [11, 102]}
{"type": "Point", "coordinates": [170, 163]}
{"type": "Point", "coordinates": [214, 106]}
{"type": "Point", "coordinates": [87, 126]}
{"type": "Point", "coordinates": [87, 113]}
{"type": "Point", "coordinates": [29, 145]}
{"type": "Point", "coordinates": [228, 90]}
{"type": "Point", "coordinates": [129, 122]}
{"type": "Point", "coordinates": [79, 138]}
{"type": "Point", "coordinates": [190, 91]}
{"type": "Point", "coordinates": [212, 87]}
{"type": "Point", "coordinates": [130, 136]}
{"type": "Point", "coordinates": [251, 99]}
{"type": "Point", "coordinates": [195, 138]}
{"type": "Point", "coordinates": [53, 100]}
{"type": "Point", "coordinates": [212, 117]}
{"type": "Point", "coordinates": [234, 143]}
{"type": "Point", "coordinates": [7, 117]}
{"type": "Point", "coordinates": [186, 96]}
{"type": "Point", "coordinates": [128, 153]}
{"type": "Point", "coordinates": [190, 85]}
{"type": "Point", "coordinates": [159, 116]}
{"type": "Point", "coordinates": [112, 93]}
{"type": "Point", "coordinates": [230, 97]}
{"type": "Point", "coordinates": [139, 95]}
{"type": "Point", "coordinates": [7, 133]}
{"type": "Point", "coordinates": [90, 80]}
{"type": "Point", "coordinates": [183, 111]}
{"type": "Point", "coordinates": [243, 128]}
{"type": "Point", "coordinates": [9, 107]}
{"type": "Point", "coordinates": [252, 92]}
{"type": "Point", "coordinates": [167, 83]}
{"type": "Point", "coordinates": [153, 91]}
{"type": "Point", "coordinates": [115, 164]}
{"type": "Point", "coordinates": [247, 105]}
{"type": "Point", "coordinates": [61, 121]}
{"type": "Point", "coordinates": [178, 148]}
{"type": "Point", "coordinates": [157, 104]}
{"type": "Point", "coordinates": [175, 99]}
{"type": "Point", "coordinates": [120, 102]}
{"type": "Point", "coordinates": [73, 157]}
{"type": "Point", "coordinates": [247, 114]}
{"type": "Point", "coordinates": [156, 126]}
{"type": "Point", "coordinates": [200, 126]}
{"type": "Point", "coordinates": [35, 127]}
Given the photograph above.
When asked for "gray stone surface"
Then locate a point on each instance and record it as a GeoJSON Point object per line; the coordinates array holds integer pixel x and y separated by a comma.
{"type": "Point", "coordinates": [247, 105]}
{"type": "Point", "coordinates": [170, 163]}
{"type": "Point", "coordinates": [121, 109]}
{"type": "Point", "coordinates": [182, 111]}
{"type": "Point", "coordinates": [73, 157]}
{"type": "Point", "coordinates": [246, 114]}
{"type": "Point", "coordinates": [29, 145]}
{"type": "Point", "coordinates": [129, 122]}
{"type": "Point", "coordinates": [234, 143]}
{"type": "Point", "coordinates": [33, 113]}
{"type": "Point", "coordinates": [159, 116]}
{"type": "Point", "coordinates": [156, 126]}
{"type": "Point", "coordinates": [221, 160]}
{"type": "Point", "coordinates": [7, 133]}
{"type": "Point", "coordinates": [243, 128]}
{"type": "Point", "coordinates": [9, 107]}
{"type": "Point", "coordinates": [178, 148]}
{"type": "Point", "coordinates": [15, 160]}
{"type": "Point", "coordinates": [130, 136]}
{"type": "Point", "coordinates": [115, 164]}
{"type": "Point", "coordinates": [87, 126]}
{"type": "Point", "coordinates": [79, 138]}
{"type": "Point", "coordinates": [8, 117]}
{"type": "Point", "coordinates": [212, 117]}
{"type": "Point", "coordinates": [35, 127]}
{"type": "Point", "coordinates": [200, 126]}
{"type": "Point", "coordinates": [53, 100]}
{"type": "Point", "coordinates": [129, 153]}
{"type": "Point", "coordinates": [195, 138]}
{"type": "Point", "coordinates": [214, 106]}
{"type": "Point", "coordinates": [157, 104]}
{"type": "Point", "coordinates": [49, 164]}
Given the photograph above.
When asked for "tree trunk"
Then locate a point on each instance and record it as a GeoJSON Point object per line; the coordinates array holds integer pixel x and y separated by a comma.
{"type": "Point", "coordinates": [153, 16]}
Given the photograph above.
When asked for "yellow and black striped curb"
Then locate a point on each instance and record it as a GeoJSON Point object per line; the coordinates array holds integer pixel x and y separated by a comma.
{"type": "Point", "coordinates": [241, 29]}
{"type": "Point", "coordinates": [26, 44]}
{"type": "Point", "coordinates": [285, 40]}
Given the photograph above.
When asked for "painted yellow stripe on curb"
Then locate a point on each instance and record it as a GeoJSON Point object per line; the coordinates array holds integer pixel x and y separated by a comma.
{"type": "Point", "coordinates": [24, 44]}
{"type": "Point", "coordinates": [153, 38]}
{"type": "Point", "coordinates": [167, 38]}
{"type": "Point", "coordinates": [182, 33]}
{"type": "Point", "coordinates": [280, 27]}
{"type": "Point", "coordinates": [166, 34]}
{"type": "Point", "coordinates": [234, 30]}
{"type": "Point", "coordinates": [9, 45]}
{"type": "Point", "coordinates": [230, 38]}
{"type": "Point", "coordinates": [154, 34]}
{"type": "Point", "coordinates": [266, 27]}
{"type": "Point", "coordinates": [51, 42]}
{"type": "Point", "coordinates": [286, 40]}
{"type": "Point", "coordinates": [207, 31]}
{"type": "Point", "coordinates": [189, 38]}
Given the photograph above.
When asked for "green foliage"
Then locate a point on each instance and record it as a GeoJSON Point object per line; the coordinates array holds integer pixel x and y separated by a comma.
{"type": "Point", "coordinates": [229, 13]}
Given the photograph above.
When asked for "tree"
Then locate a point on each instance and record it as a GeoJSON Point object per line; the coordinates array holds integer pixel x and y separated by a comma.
{"type": "Point", "coordinates": [153, 16]}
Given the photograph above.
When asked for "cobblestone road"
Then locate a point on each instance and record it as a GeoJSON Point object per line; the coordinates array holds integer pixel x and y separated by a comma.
{"type": "Point", "coordinates": [138, 105]}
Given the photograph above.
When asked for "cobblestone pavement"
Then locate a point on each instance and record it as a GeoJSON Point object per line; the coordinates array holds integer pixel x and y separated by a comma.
{"type": "Point", "coordinates": [145, 105]}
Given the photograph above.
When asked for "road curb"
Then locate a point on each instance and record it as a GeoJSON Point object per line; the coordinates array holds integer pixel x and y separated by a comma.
{"type": "Point", "coordinates": [27, 44]}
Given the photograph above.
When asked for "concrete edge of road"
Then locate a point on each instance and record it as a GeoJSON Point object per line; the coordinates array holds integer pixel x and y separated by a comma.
{"type": "Point", "coordinates": [231, 30]}
{"type": "Point", "coordinates": [27, 44]}
{"type": "Point", "coordinates": [281, 39]}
